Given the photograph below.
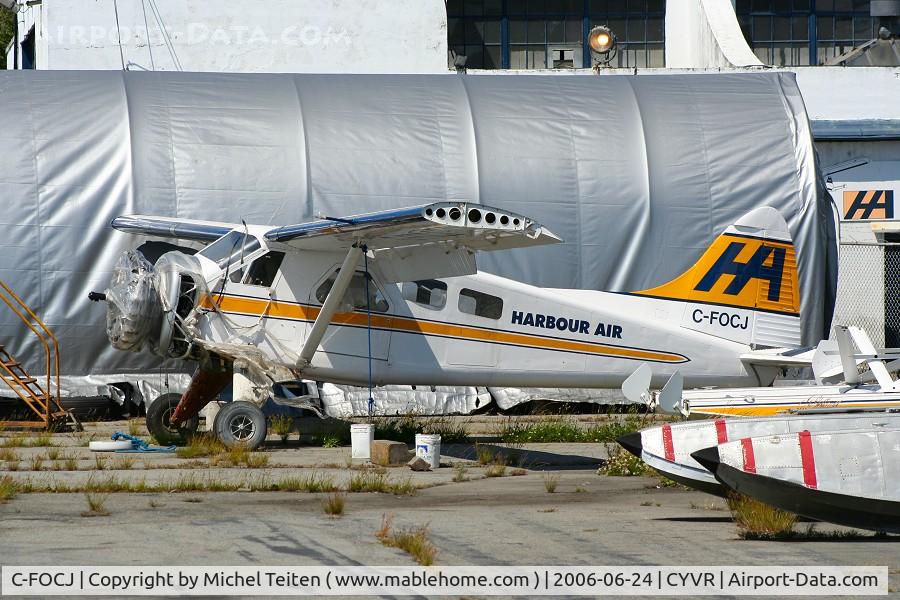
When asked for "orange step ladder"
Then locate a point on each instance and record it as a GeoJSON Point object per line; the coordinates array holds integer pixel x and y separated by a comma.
{"type": "Point", "coordinates": [41, 396]}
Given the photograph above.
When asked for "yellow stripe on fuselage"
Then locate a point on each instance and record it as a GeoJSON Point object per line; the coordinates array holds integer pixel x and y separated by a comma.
{"type": "Point", "coordinates": [775, 409]}
{"type": "Point", "coordinates": [297, 312]}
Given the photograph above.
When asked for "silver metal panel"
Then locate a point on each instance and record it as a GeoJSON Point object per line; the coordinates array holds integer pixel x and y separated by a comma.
{"type": "Point", "coordinates": [636, 174]}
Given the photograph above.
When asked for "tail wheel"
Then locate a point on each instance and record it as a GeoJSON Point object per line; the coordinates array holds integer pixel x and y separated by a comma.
{"type": "Point", "coordinates": [159, 424]}
{"type": "Point", "coordinates": [241, 424]}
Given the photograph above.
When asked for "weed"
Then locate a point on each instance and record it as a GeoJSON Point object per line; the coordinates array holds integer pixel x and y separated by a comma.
{"type": "Point", "coordinates": [8, 489]}
{"type": "Point", "coordinates": [16, 441]}
{"type": "Point", "coordinates": [495, 470]}
{"type": "Point", "coordinates": [134, 427]}
{"type": "Point", "coordinates": [193, 500]}
{"type": "Point", "coordinates": [484, 455]}
{"type": "Point", "coordinates": [39, 441]}
{"type": "Point", "coordinates": [37, 462]}
{"type": "Point", "coordinates": [282, 426]}
{"type": "Point", "coordinates": [53, 453]}
{"type": "Point", "coordinates": [8, 454]}
{"type": "Point", "coordinates": [311, 483]}
{"type": "Point", "coordinates": [566, 429]}
{"type": "Point", "coordinates": [200, 445]}
{"type": "Point", "coordinates": [580, 490]}
{"type": "Point", "coordinates": [333, 504]}
{"type": "Point", "coordinates": [551, 480]}
{"type": "Point", "coordinates": [99, 462]}
{"type": "Point", "coordinates": [647, 503]}
{"type": "Point", "coordinates": [368, 482]}
{"type": "Point", "coordinates": [125, 463]}
{"type": "Point", "coordinates": [257, 460]}
{"type": "Point", "coordinates": [414, 541]}
{"type": "Point", "coordinates": [96, 502]}
{"type": "Point", "coordinates": [623, 464]}
{"type": "Point", "coordinates": [459, 472]}
{"type": "Point", "coordinates": [518, 472]}
{"type": "Point", "coordinates": [71, 463]}
{"type": "Point", "coordinates": [758, 521]}
{"type": "Point", "coordinates": [547, 510]}
{"type": "Point", "coordinates": [12, 465]}
{"type": "Point", "coordinates": [331, 441]}
{"type": "Point", "coordinates": [154, 504]}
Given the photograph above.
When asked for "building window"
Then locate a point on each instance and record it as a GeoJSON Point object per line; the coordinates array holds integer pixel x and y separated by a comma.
{"type": "Point", "coordinates": [480, 304]}
{"type": "Point", "coordinates": [804, 32]}
{"type": "Point", "coordinates": [549, 34]}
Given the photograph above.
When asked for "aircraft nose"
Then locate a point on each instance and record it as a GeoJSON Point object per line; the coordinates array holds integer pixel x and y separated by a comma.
{"type": "Point", "coordinates": [631, 442]}
{"type": "Point", "coordinates": [708, 458]}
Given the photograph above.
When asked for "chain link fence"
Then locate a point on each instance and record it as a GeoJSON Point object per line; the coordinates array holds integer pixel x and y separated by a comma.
{"type": "Point", "coordinates": [867, 297]}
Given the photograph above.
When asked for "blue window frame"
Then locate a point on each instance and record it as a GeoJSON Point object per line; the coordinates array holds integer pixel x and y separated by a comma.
{"type": "Point", "coordinates": [804, 32]}
{"type": "Point", "coordinates": [538, 34]}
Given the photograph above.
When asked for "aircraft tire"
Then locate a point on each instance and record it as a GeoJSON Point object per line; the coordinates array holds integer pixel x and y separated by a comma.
{"type": "Point", "coordinates": [241, 423]}
{"type": "Point", "coordinates": [158, 425]}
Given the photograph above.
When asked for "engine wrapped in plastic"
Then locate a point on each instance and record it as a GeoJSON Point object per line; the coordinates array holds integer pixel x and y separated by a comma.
{"type": "Point", "coordinates": [134, 309]}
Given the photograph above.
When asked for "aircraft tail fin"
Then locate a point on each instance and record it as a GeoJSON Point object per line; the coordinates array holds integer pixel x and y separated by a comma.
{"type": "Point", "coordinates": [745, 285]}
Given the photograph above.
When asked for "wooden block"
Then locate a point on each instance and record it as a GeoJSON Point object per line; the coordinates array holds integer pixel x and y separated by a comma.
{"type": "Point", "coordinates": [388, 454]}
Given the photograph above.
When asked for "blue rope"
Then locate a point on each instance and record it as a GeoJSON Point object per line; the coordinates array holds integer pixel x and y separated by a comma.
{"type": "Point", "coordinates": [139, 445]}
{"type": "Point", "coordinates": [369, 328]}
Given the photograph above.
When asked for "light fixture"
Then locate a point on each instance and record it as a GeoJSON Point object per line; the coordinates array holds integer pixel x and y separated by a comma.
{"type": "Point", "coordinates": [603, 44]}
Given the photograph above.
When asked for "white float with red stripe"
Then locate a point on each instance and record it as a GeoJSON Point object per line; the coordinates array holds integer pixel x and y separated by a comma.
{"type": "Point", "coordinates": [668, 448]}
{"type": "Point", "coordinates": [846, 477]}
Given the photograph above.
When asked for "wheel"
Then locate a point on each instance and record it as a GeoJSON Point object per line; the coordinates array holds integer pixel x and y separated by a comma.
{"type": "Point", "coordinates": [158, 414]}
{"type": "Point", "coordinates": [240, 423]}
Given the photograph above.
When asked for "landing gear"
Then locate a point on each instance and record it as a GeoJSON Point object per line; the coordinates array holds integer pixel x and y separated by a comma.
{"type": "Point", "coordinates": [240, 423]}
{"type": "Point", "coordinates": [159, 415]}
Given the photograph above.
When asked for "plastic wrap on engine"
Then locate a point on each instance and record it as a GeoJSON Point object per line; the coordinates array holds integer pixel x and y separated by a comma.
{"type": "Point", "coordinates": [134, 309]}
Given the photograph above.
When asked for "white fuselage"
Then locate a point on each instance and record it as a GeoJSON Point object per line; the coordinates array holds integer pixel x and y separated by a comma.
{"type": "Point", "coordinates": [480, 330]}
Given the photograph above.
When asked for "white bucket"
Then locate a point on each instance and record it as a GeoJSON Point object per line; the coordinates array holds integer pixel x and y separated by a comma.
{"type": "Point", "coordinates": [428, 447]}
{"type": "Point", "coordinates": [361, 438]}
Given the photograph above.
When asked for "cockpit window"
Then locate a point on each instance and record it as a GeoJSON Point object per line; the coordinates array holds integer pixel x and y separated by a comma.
{"type": "Point", "coordinates": [227, 249]}
{"type": "Point", "coordinates": [263, 270]}
{"type": "Point", "coordinates": [355, 295]}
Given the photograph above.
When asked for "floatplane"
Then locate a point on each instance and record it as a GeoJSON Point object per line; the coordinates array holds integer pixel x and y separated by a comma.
{"type": "Point", "coordinates": [394, 297]}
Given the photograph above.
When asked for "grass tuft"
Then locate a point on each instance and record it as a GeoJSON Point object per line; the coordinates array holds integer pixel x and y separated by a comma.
{"type": "Point", "coordinates": [333, 504]}
{"type": "Point", "coordinates": [459, 472]}
{"type": "Point", "coordinates": [37, 463]}
{"type": "Point", "coordinates": [53, 453]}
{"type": "Point", "coordinates": [200, 445]}
{"type": "Point", "coordinates": [414, 541]}
{"type": "Point", "coordinates": [8, 489]}
{"type": "Point", "coordinates": [96, 502]}
{"type": "Point", "coordinates": [282, 426]}
{"type": "Point", "coordinates": [134, 427]}
{"type": "Point", "coordinates": [551, 480]}
{"type": "Point", "coordinates": [8, 454]}
{"type": "Point", "coordinates": [125, 463]}
{"type": "Point", "coordinates": [758, 521]}
{"type": "Point", "coordinates": [495, 470]}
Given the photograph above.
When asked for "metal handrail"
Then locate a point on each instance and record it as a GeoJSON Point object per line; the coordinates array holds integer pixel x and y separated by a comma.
{"type": "Point", "coordinates": [52, 356]}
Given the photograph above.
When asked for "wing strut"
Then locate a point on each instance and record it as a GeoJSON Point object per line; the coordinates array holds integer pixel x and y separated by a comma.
{"type": "Point", "coordinates": [330, 306]}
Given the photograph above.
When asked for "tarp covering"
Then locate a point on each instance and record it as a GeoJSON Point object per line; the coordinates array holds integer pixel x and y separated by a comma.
{"type": "Point", "coordinates": [636, 173]}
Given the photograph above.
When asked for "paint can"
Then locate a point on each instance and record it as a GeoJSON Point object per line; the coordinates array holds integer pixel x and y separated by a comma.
{"type": "Point", "coordinates": [361, 437]}
{"type": "Point", "coordinates": [428, 447]}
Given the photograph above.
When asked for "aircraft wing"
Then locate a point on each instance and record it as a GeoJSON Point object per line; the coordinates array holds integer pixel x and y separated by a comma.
{"type": "Point", "coordinates": [449, 224]}
{"type": "Point", "coordinates": [169, 227]}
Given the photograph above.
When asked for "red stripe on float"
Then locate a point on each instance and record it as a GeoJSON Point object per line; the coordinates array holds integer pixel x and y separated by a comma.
{"type": "Point", "coordinates": [721, 433]}
{"type": "Point", "coordinates": [749, 458]}
{"type": "Point", "coordinates": [807, 459]}
{"type": "Point", "coordinates": [668, 446]}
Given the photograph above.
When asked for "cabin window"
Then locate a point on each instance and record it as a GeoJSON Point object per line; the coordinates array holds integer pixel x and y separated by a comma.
{"type": "Point", "coordinates": [355, 295]}
{"type": "Point", "coordinates": [228, 249]}
{"type": "Point", "coordinates": [263, 270]}
{"type": "Point", "coordinates": [428, 292]}
{"type": "Point", "coordinates": [480, 304]}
